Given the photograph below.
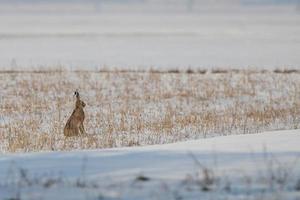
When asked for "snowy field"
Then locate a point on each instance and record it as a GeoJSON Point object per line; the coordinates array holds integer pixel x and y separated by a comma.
{"type": "Point", "coordinates": [148, 36]}
{"type": "Point", "coordinates": [139, 108]}
{"type": "Point", "coordinates": [256, 166]}
{"type": "Point", "coordinates": [179, 95]}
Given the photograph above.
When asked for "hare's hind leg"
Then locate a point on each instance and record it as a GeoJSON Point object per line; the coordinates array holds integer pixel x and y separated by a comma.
{"type": "Point", "coordinates": [72, 132]}
{"type": "Point", "coordinates": [81, 128]}
{"type": "Point", "coordinates": [75, 131]}
{"type": "Point", "coordinates": [67, 131]}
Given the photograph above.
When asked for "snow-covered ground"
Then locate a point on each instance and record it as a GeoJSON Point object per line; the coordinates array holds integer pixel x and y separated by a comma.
{"type": "Point", "coordinates": [125, 109]}
{"type": "Point", "coordinates": [208, 37]}
{"type": "Point", "coordinates": [255, 166]}
{"type": "Point", "coordinates": [40, 34]}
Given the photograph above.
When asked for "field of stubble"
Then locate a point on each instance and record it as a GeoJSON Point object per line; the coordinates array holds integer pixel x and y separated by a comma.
{"type": "Point", "coordinates": [138, 108]}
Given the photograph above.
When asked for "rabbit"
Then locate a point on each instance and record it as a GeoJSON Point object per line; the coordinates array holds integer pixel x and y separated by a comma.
{"type": "Point", "coordinates": [74, 125]}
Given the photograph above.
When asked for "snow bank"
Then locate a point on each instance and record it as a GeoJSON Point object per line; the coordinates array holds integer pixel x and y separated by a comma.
{"type": "Point", "coordinates": [161, 170]}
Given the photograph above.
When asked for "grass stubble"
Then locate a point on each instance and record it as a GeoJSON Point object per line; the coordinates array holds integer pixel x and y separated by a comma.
{"type": "Point", "coordinates": [128, 108]}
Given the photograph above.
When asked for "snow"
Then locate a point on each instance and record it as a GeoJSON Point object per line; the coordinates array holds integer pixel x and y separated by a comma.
{"type": "Point", "coordinates": [142, 36]}
{"type": "Point", "coordinates": [260, 37]}
{"type": "Point", "coordinates": [260, 165]}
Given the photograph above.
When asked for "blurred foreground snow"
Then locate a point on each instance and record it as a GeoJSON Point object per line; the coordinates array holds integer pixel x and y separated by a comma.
{"type": "Point", "coordinates": [256, 166]}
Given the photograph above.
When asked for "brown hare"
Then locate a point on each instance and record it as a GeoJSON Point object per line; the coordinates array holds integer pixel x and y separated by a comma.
{"type": "Point", "coordinates": [74, 125]}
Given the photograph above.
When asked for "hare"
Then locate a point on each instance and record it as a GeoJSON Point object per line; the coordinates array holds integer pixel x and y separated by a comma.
{"type": "Point", "coordinates": [74, 125]}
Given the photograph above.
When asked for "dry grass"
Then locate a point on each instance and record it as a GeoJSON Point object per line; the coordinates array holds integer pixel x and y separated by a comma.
{"type": "Point", "coordinates": [128, 108]}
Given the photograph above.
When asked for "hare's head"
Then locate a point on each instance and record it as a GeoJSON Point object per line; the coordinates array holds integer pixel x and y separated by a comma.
{"type": "Point", "coordinates": [79, 103]}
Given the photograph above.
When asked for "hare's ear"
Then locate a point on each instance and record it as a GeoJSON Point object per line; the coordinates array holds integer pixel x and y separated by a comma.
{"type": "Point", "coordinates": [76, 93]}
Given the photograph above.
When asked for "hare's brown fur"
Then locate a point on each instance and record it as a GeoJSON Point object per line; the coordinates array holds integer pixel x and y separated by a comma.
{"type": "Point", "coordinates": [74, 125]}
